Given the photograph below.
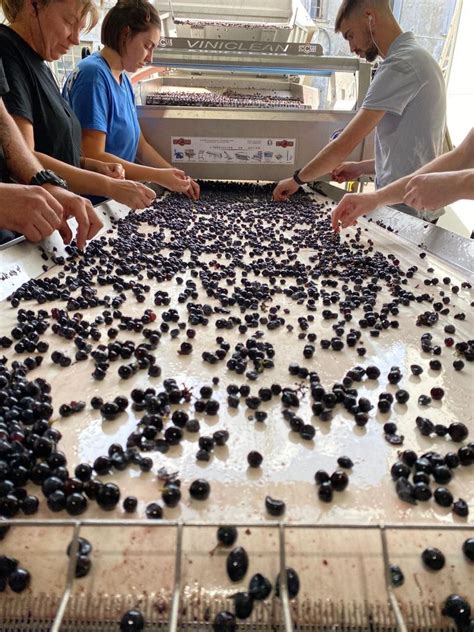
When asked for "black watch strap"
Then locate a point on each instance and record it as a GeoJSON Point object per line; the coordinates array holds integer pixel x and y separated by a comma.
{"type": "Point", "coordinates": [48, 177]}
{"type": "Point", "coordinates": [297, 179]}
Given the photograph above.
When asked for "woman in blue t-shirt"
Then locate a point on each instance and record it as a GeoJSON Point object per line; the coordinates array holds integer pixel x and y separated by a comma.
{"type": "Point", "coordinates": [101, 95]}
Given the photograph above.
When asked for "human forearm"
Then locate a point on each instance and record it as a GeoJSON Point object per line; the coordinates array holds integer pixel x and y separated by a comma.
{"type": "Point", "coordinates": [90, 164]}
{"type": "Point", "coordinates": [79, 181]}
{"type": "Point", "coordinates": [149, 156]}
{"type": "Point", "coordinates": [339, 149]}
{"type": "Point", "coordinates": [431, 191]}
{"type": "Point", "coordinates": [22, 164]}
{"type": "Point", "coordinates": [167, 177]}
{"type": "Point", "coordinates": [353, 169]}
{"type": "Point", "coordinates": [132, 170]}
{"type": "Point", "coordinates": [465, 184]}
{"type": "Point", "coordinates": [392, 193]}
{"type": "Point", "coordinates": [454, 160]}
{"type": "Point", "coordinates": [367, 167]}
{"type": "Point", "coordinates": [132, 194]}
{"type": "Point", "coordinates": [459, 182]}
{"type": "Point", "coordinates": [347, 171]}
{"type": "Point", "coordinates": [324, 162]}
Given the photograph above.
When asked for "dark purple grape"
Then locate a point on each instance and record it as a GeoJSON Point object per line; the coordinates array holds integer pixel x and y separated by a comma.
{"type": "Point", "coordinates": [237, 564]}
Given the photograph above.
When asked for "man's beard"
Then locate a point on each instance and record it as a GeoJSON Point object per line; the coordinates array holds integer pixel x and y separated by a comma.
{"type": "Point", "coordinates": [372, 53]}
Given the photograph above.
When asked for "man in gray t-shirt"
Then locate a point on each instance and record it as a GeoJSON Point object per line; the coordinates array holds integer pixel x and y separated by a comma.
{"type": "Point", "coordinates": [409, 87]}
{"type": "Point", "coordinates": [405, 104]}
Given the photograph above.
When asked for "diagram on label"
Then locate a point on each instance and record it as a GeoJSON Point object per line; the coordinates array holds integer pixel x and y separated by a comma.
{"type": "Point", "coordinates": [195, 149]}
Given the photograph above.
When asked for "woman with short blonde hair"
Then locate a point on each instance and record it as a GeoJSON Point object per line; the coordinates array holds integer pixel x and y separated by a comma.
{"type": "Point", "coordinates": [44, 30]}
{"type": "Point", "coordinates": [89, 12]}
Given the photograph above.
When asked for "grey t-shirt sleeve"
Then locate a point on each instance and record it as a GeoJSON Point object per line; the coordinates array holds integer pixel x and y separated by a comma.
{"type": "Point", "coordinates": [3, 81]}
{"type": "Point", "coordinates": [393, 87]}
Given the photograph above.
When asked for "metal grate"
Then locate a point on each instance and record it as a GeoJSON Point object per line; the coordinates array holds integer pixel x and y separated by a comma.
{"type": "Point", "coordinates": [60, 624]}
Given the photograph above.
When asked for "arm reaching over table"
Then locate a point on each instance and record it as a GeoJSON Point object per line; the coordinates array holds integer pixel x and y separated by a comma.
{"type": "Point", "coordinates": [442, 181]}
{"type": "Point", "coordinates": [431, 191]}
{"type": "Point", "coordinates": [332, 156]}
{"type": "Point", "coordinates": [37, 211]}
{"type": "Point", "coordinates": [352, 170]}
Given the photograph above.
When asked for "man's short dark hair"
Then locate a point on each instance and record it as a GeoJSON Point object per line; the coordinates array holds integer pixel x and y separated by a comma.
{"type": "Point", "coordinates": [348, 7]}
{"type": "Point", "coordinates": [137, 15]}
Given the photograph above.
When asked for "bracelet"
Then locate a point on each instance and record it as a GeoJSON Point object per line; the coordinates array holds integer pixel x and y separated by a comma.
{"type": "Point", "coordinates": [297, 179]}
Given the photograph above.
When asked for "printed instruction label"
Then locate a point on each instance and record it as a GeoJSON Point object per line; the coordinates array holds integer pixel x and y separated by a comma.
{"type": "Point", "coordinates": [243, 151]}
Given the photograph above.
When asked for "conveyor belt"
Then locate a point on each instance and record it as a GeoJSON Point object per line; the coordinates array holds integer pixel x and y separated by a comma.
{"type": "Point", "coordinates": [342, 572]}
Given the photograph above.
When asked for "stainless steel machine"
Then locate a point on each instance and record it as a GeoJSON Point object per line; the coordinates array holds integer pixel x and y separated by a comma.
{"type": "Point", "coordinates": [266, 98]}
{"type": "Point", "coordinates": [264, 21]}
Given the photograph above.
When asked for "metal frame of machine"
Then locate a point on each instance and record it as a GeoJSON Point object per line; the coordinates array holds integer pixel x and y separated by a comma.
{"type": "Point", "coordinates": [270, 20]}
{"type": "Point", "coordinates": [264, 46]}
{"type": "Point", "coordinates": [174, 624]}
{"type": "Point", "coordinates": [308, 130]}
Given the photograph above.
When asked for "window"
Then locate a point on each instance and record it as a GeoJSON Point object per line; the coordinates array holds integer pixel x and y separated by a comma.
{"type": "Point", "coordinates": [318, 7]}
{"type": "Point", "coordinates": [315, 8]}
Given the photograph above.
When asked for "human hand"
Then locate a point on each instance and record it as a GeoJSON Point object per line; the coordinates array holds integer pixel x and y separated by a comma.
{"type": "Point", "coordinates": [352, 206]}
{"type": "Point", "coordinates": [132, 194]}
{"type": "Point", "coordinates": [88, 222]}
{"type": "Point", "coordinates": [29, 210]}
{"type": "Point", "coordinates": [284, 189]}
{"type": "Point", "coordinates": [194, 190]}
{"type": "Point", "coordinates": [346, 171]}
{"type": "Point", "coordinates": [431, 191]}
{"type": "Point", "coordinates": [110, 169]}
{"type": "Point", "coordinates": [173, 179]}
{"type": "Point", "coordinates": [113, 170]}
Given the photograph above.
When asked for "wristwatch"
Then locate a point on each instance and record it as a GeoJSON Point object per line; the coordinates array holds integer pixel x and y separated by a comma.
{"type": "Point", "coordinates": [297, 179]}
{"type": "Point", "coordinates": [48, 177]}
